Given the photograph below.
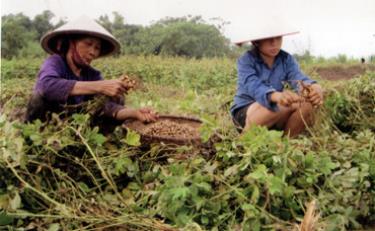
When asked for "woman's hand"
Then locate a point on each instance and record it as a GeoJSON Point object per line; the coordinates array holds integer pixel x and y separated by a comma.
{"type": "Point", "coordinates": [143, 114]}
{"type": "Point", "coordinates": [285, 98]}
{"type": "Point", "coordinates": [146, 115]}
{"type": "Point", "coordinates": [316, 95]}
{"type": "Point", "coordinates": [112, 88]}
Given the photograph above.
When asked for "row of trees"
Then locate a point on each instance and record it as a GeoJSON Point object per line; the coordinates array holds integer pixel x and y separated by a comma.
{"type": "Point", "coordinates": [20, 35]}
{"type": "Point", "coordinates": [186, 36]}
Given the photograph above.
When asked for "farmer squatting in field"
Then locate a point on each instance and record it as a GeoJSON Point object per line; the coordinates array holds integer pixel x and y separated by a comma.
{"type": "Point", "coordinates": [262, 72]}
{"type": "Point", "coordinates": [66, 77]}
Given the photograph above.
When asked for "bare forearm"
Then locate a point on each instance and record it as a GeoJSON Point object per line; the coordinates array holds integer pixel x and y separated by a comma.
{"type": "Point", "coordinates": [86, 88]}
{"type": "Point", "coordinates": [143, 114]}
{"type": "Point", "coordinates": [126, 113]}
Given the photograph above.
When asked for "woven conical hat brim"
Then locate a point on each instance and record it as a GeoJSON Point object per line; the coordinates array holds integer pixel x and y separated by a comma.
{"type": "Point", "coordinates": [81, 26]}
{"type": "Point", "coordinates": [269, 27]}
{"type": "Point", "coordinates": [261, 37]}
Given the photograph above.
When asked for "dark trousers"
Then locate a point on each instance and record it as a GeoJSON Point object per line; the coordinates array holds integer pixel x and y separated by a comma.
{"type": "Point", "coordinates": [41, 108]}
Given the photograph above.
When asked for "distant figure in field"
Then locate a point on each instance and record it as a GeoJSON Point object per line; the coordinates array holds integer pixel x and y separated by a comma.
{"type": "Point", "coordinates": [262, 73]}
{"type": "Point", "coordinates": [67, 78]}
{"type": "Point", "coordinates": [363, 60]}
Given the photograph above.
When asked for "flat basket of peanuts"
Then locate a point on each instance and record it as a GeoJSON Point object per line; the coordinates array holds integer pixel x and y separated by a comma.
{"type": "Point", "coordinates": [168, 129]}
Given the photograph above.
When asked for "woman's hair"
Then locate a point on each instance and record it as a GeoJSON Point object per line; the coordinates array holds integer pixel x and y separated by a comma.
{"type": "Point", "coordinates": [63, 43]}
{"type": "Point", "coordinates": [255, 43]}
{"type": "Point", "coordinates": [254, 50]}
{"type": "Point", "coordinates": [62, 46]}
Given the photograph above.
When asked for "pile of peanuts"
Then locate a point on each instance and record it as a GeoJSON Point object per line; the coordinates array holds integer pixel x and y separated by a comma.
{"type": "Point", "coordinates": [171, 129]}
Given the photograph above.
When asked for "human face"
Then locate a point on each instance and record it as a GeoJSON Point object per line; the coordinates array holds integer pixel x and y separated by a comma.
{"type": "Point", "coordinates": [88, 48]}
{"type": "Point", "coordinates": [270, 47]}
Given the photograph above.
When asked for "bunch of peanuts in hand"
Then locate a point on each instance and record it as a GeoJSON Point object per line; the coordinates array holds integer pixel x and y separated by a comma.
{"type": "Point", "coordinates": [305, 90]}
{"type": "Point", "coordinates": [309, 94]}
{"type": "Point", "coordinates": [130, 83]}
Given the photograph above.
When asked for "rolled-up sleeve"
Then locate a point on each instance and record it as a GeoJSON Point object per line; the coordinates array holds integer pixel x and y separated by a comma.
{"type": "Point", "coordinates": [254, 86]}
{"type": "Point", "coordinates": [111, 108]}
{"type": "Point", "coordinates": [294, 73]}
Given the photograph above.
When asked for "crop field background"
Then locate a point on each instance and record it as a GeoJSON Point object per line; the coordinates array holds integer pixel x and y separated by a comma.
{"type": "Point", "coordinates": [66, 175]}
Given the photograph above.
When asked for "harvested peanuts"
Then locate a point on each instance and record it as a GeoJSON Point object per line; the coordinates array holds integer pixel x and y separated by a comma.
{"type": "Point", "coordinates": [171, 129]}
{"type": "Point", "coordinates": [305, 89]}
{"type": "Point", "coordinates": [130, 83]}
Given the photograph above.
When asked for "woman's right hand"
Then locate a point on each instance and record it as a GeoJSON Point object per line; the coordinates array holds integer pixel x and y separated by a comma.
{"type": "Point", "coordinates": [113, 87]}
{"type": "Point", "coordinates": [285, 98]}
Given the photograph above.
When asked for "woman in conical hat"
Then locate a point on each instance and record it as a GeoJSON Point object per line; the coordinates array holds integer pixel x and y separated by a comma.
{"type": "Point", "coordinates": [66, 76]}
{"type": "Point", "coordinates": [262, 73]}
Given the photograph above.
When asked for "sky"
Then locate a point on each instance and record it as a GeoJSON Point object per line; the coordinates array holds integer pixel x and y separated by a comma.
{"type": "Point", "coordinates": [327, 27]}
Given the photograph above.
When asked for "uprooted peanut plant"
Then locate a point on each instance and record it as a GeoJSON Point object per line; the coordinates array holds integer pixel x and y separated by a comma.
{"type": "Point", "coordinates": [68, 176]}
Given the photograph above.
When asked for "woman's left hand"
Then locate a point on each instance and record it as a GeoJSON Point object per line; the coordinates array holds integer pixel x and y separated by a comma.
{"type": "Point", "coordinates": [316, 95]}
{"type": "Point", "coordinates": [146, 115]}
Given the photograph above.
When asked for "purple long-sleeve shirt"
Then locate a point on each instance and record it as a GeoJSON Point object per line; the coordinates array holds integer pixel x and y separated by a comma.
{"type": "Point", "coordinates": [56, 80]}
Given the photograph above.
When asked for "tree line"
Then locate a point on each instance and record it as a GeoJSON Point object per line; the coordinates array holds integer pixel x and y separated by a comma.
{"type": "Point", "coordinates": [189, 36]}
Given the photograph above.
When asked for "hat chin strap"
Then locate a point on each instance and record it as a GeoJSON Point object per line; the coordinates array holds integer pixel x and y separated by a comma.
{"type": "Point", "coordinates": [77, 59]}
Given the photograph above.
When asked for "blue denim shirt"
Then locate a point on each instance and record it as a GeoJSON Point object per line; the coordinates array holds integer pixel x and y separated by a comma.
{"type": "Point", "coordinates": [256, 80]}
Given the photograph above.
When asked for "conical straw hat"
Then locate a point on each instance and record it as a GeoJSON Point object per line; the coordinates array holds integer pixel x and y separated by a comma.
{"type": "Point", "coordinates": [81, 26]}
{"type": "Point", "coordinates": [269, 28]}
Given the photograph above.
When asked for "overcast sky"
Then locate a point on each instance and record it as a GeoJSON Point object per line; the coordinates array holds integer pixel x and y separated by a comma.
{"type": "Point", "coordinates": [327, 27]}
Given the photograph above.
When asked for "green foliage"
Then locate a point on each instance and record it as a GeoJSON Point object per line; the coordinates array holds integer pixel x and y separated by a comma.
{"type": "Point", "coordinates": [185, 36]}
{"type": "Point", "coordinates": [41, 23]}
{"type": "Point", "coordinates": [191, 74]}
{"type": "Point", "coordinates": [352, 107]}
{"type": "Point", "coordinates": [20, 35]}
{"type": "Point", "coordinates": [306, 58]}
{"type": "Point", "coordinates": [32, 50]}
{"type": "Point", "coordinates": [190, 38]}
{"type": "Point", "coordinates": [74, 178]}
{"type": "Point", "coordinates": [183, 197]}
{"type": "Point", "coordinates": [125, 165]}
{"type": "Point", "coordinates": [20, 69]}
{"type": "Point", "coordinates": [5, 219]}
{"type": "Point", "coordinates": [13, 34]}
{"type": "Point", "coordinates": [132, 138]}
